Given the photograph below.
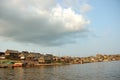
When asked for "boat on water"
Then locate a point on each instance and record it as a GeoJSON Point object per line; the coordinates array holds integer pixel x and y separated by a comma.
{"type": "Point", "coordinates": [17, 64]}
{"type": "Point", "coordinates": [11, 64]}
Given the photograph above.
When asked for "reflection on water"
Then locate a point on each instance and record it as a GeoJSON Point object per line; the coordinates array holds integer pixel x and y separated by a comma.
{"type": "Point", "coordinates": [93, 71]}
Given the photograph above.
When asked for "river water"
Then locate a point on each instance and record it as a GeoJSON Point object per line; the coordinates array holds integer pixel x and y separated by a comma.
{"type": "Point", "coordinates": [90, 71]}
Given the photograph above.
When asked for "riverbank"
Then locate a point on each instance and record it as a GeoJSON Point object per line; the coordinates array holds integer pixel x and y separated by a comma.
{"type": "Point", "coordinates": [13, 64]}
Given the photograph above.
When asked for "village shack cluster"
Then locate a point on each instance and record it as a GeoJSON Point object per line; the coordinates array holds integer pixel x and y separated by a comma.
{"type": "Point", "coordinates": [38, 59]}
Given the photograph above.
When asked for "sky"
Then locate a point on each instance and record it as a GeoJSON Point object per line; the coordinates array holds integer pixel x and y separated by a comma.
{"type": "Point", "coordinates": [60, 27]}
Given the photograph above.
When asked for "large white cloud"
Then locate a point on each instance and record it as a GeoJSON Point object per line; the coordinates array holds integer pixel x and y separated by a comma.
{"type": "Point", "coordinates": [40, 22]}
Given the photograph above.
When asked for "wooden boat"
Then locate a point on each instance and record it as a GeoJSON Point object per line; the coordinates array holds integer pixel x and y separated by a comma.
{"type": "Point", "coordinates": [17, 64]}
